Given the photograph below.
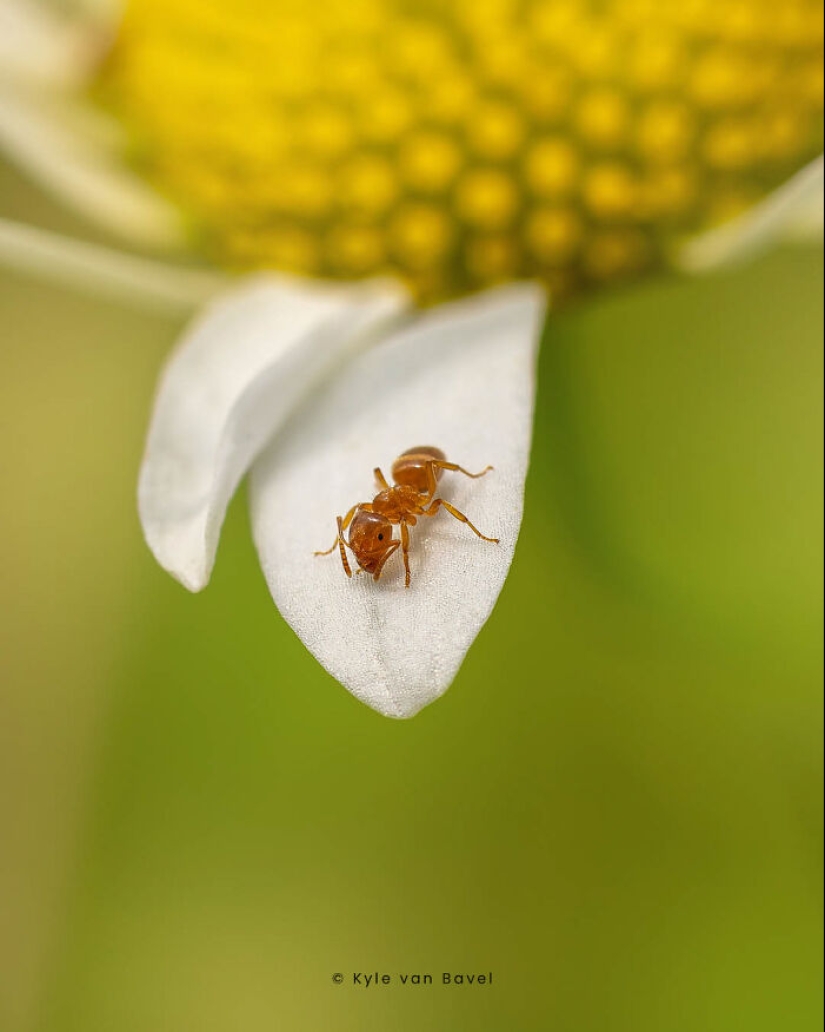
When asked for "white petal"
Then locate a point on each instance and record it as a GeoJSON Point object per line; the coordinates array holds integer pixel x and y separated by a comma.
{"type": "Point", "coordinates": [461, 378]}
{"type": "Point", "coordinates": [102, 270]}
{"type": "Point", "coordinates": [40, 136]}
{"type": "Point", "coordinates": [39, 44]}
{"type": "Point", "coordinates": [234, 379]}
{"type": "Point", "coordinates": [106, 13]}
{"type": "Point", "coordinates": [794, 211]}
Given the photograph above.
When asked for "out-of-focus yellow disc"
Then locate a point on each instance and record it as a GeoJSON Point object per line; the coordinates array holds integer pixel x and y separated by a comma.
{"type": "Point", "coordinates": [461, 143]}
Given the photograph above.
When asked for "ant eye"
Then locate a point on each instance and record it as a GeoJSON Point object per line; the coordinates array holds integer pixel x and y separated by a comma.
{"type": "Point", "coordinates": [380, 537]}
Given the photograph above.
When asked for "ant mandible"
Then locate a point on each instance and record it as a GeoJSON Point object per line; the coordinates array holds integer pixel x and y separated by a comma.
{"type": "Point", "coordinates": [415, 475]}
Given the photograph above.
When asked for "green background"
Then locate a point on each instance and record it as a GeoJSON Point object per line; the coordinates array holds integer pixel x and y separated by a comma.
{"type": "Point", "coordinates": [615, 808]}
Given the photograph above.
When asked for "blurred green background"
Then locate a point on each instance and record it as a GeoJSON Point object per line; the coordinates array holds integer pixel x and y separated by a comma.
{"type": "Point", "coordinates": [616, 807]}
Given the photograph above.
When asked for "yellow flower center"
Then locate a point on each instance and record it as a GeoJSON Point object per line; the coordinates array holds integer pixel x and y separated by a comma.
{"type": "Point", "coordinates": [464, 142]}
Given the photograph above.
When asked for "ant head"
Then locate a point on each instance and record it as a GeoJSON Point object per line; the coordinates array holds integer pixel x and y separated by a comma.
{"type": "Point", "coordinates": [370, 537]}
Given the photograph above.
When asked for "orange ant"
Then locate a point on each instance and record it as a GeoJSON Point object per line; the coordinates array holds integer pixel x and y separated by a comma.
{"type": "Point", "coordinates": [415, 475]}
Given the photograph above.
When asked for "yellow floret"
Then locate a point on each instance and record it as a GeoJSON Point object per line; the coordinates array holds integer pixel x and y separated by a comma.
{"type": "Point", "coordinates": [470, 141]}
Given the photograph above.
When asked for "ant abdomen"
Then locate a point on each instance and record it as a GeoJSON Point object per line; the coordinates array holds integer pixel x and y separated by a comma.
{"type": "Point", "coordinates": [413, 469]}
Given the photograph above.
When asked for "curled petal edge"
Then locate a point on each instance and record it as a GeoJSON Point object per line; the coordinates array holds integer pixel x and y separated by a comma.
{"type": "Point", "coordinates": [244, 366]}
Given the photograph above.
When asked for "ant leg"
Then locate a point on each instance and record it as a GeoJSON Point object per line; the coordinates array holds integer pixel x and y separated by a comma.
{"type": "Point", "coordinates": [433, 509]}
{"type": "Point", "coordinates": [329, 550]}
{"type": "Point", "coordinates": [441, 464]}
{"type": "Point", "coordinates": [341, 544]}
{"type": "Point", "coordinates": [390, 550]}
{"type": "Point", "coordinates": [342, 526]}
{"type": "Point", "coordinates": [405, 550]}
{"type": "Point", "coordinates": [435, 464]}
{"type": "Point", "coordinates": [382, 480]}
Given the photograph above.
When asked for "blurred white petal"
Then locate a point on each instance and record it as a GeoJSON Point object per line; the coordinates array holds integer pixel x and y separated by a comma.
{"type": "Point", "coordinates": [237, 375]}
{"type": "Point", "coordinates": [792, 212]}
{"type": "Point", "coordinates": [102, 270]}
{"type": "Point", "coordinates": [461, 378]}
{"type": "Point", "coordinates": [107, 13]}
{"type": "Point", "coordinates": [37, 135]}
{"type": "Point", "coordinates": [39, 44]}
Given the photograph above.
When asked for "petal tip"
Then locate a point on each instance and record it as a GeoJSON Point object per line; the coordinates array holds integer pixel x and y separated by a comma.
{"type": "Point", "coordinates": [180, 549]}
{"type": "Point", "coordinates": [401, 704]}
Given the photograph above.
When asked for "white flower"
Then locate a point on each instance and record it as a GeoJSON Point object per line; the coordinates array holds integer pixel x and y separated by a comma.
{"type": "Point", "coordinates": [375, 380]}
{"type": "Point", "coordinates": [309, 387]}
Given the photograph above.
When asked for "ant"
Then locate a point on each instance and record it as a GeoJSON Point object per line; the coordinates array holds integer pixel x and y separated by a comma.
{"type": "Point", "coordinates": [415, 475]}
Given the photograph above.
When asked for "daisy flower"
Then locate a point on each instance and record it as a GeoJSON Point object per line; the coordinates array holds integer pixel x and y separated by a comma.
{"type": "Point", "coordinates": [371, 205]}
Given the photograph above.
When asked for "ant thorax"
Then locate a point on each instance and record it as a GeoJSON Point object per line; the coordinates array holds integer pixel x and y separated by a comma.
{"type": "Point", "coordinates": [398, 503]}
